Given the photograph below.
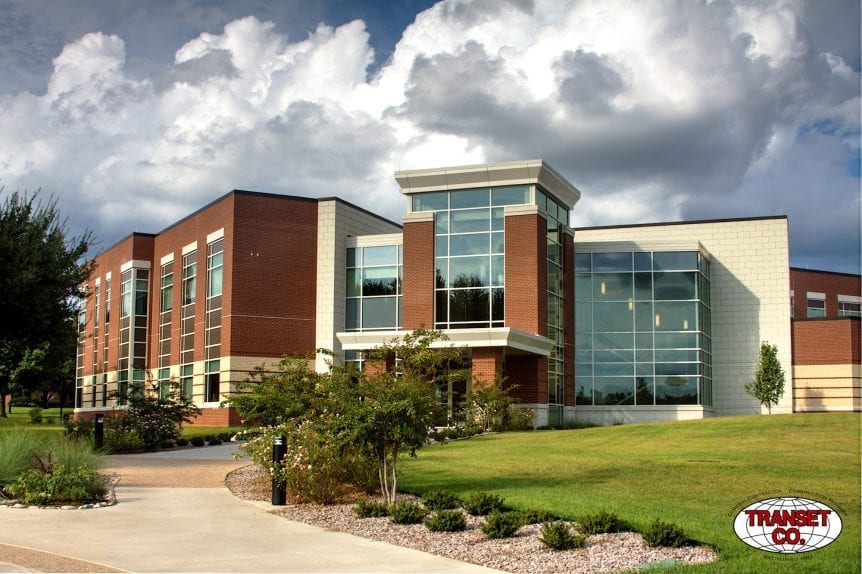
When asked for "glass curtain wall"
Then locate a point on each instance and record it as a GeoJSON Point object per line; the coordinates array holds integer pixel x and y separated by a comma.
{"type": "Point", "coordinates": [469, 253]}
{"type": "Point", "coordinates": [643, 329]}
{"type": "Point", "coordinates": [557, 217]}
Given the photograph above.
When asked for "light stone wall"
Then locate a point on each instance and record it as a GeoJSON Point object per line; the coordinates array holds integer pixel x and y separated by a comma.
{"type": "Point", "coordinates": [750, 298]}
{"type": "Point", "coordinates": [336, 222]}
{"type": "Point", "coordinates": [823, 388]}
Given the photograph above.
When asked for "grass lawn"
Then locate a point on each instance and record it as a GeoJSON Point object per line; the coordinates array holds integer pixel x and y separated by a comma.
{"type": "Point", "coordinates": [697, 474]}
{"type": "Point", "coordinates": [190, 431]}
{"type": "Point", "coordinates": [52, 422]}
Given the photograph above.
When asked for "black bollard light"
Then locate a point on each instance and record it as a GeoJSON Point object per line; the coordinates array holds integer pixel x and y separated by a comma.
{"type": "Point", "coordinates": [99, 432]}
{"type": "Point", "coordinates": [279, 495]}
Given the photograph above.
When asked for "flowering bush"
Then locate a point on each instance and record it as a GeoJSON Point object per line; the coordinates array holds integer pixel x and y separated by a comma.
{"type": "Point", "coordinates": [151, 422]}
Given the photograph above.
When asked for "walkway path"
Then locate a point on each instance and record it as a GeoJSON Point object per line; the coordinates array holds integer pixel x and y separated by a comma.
{"type": "Point", "coordinates": [175, 515]}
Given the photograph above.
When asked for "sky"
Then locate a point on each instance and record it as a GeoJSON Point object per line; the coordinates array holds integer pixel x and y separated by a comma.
{"type": "Point", "coordinates": [134, 114]}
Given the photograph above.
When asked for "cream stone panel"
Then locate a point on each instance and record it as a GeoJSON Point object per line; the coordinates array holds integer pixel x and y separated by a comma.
{"type": "Point", "coordinates": [336, 222]}
{"type": "Point", "coordinates": [750, 285]}
{"type": "Point", "coordinates": [826, 371]}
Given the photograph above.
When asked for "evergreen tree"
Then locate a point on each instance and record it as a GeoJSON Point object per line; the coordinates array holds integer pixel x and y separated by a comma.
{"type": "Point", "coordinates": [41, 275]}
{"type": "Point", "coordinates": [768, 384]}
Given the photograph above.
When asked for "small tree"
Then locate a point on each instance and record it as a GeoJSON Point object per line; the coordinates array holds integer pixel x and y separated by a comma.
{"type": "Point", "coordinates": [768, 384]}
{"type": "Point", "coordinates": [398, 407]}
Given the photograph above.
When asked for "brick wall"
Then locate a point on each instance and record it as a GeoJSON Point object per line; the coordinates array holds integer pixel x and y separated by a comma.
{"type": "Point", "coordinates": [530, 374]}
{"type": "Point", "coordinates": [487, 364]}
{"type": "Point", "coordinates": [826, 341]}
{"type": "Point", "coordinates": [273, 277]}
{"type": "Point", "coordinates": [831, 284]}
{"type": "Point", "coordinates": [526, 273]}
{"type": "Point", "coordinates": [419, 275]}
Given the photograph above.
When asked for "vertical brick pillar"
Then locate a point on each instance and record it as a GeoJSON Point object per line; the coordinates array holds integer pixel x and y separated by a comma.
{"type": "Point", "coordinates": [487, 365]}
{"type": "Point", "coordinates": [529, 375]}
{"type": "Point", "coordinates": [417, 304]}
{"type": "Point", "coordinates": [569, 318]}
{"type": "Point", "coordinates": [526, 273]}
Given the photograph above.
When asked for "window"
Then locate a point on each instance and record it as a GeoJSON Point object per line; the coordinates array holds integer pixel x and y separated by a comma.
{"type": "Point", "coordinates": [816, 307]}
{"type": "Point", "coordinates": [849, 309]}
{"type": "Point", "coordinates": [373, 288]}
{"type": "Point", "coordinates": [189, 272]}
{"type": "Point", "coordinates": [642, 323]}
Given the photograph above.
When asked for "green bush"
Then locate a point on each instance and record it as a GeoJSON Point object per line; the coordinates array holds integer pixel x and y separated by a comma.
{"type": "Point", "coordinates": [61, 485]}
{"type": "Point", "coordinates": [371, 509]}
{"type": "Point", "coordinates": [35, 415]}
{"type": "Point", "coordinates": [482, 504]}
{"type": "Point", "coordinates": [18, 451]}
{"type": "Point", "coordinates": [225, 436]}
{"type": "Point", "coordinates": [182, 442]}
{"type": "Point", "coordinates": [501, 524]}
{"type": "Point", "coordinates": [602, 522]}
{"type": "Point", "coordinates": [123, 440]}
{"type": "Point", "coordinates": [535, 516]}
{"type": "Point", "coordinates": [404, 512]}
{"type": "Point", "coordinates": [660, 533]}
{"type": "Point", "coordinates": [197, 441]}
{"type": "Point", "coordinates": [72, 453]}
{"type": "Point", "coordinates": [215, 441]}
{"type": "Point", "coordinates": [441, 500]}
{"type": "Point", "coordinates": [80, 430]}
{"type": "Point", "coordinates": [446, 521]}
{"type": "Point", "coordinates": [559, 536]}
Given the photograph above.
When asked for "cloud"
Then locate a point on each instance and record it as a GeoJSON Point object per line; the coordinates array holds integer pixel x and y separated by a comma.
{"type": "Point", "coordinates": [655, 110]}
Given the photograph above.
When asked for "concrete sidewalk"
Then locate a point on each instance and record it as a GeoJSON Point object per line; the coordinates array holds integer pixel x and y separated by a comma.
{"type": "Point", "coordinates": [191, 529]}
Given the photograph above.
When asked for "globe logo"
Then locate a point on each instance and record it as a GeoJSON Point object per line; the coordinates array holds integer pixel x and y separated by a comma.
{"type": "Point", "coordinates": [787, 525]}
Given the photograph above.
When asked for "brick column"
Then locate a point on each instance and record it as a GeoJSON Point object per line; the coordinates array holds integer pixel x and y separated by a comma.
{"type": "Point", "coordinates": [526, 273]}
{"type": "Point", "coordinates": [487, 365]}
{"type": "Point", "coordinates": [417, 304]}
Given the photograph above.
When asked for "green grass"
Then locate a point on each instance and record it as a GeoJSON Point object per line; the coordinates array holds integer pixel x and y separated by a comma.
{"type": "Point", "coordinates": [696, 474]}
{"type": "Point", "coordinates": [19, 418]}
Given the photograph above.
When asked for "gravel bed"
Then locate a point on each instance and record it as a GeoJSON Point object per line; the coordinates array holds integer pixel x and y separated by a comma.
{"type": "Point", "coordinates": [524, 553]}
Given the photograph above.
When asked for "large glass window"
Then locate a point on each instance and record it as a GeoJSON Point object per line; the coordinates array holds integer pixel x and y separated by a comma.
{"type": "Point", "coordinates": [642, 324]}
{"type": "Point", "coordinates": [134, 321]}
{"type": "Point", "coordinates": [469, 244]}
{"type": "Point", "coordinates": [373, 288]}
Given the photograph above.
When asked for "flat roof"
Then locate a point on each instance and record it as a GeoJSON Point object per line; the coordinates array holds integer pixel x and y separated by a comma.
{"type": "Point", "coordinates": [534, 171]}
{"type": "Point", "coordinates": [692, 222]}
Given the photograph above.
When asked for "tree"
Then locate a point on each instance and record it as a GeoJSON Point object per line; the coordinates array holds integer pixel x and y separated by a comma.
{"type": "Point", "coordinates": [41, 277]}
{"type": "Point", "coordinates": [398, 407]}
{"type": "Point", "coordinates": [768, 384]}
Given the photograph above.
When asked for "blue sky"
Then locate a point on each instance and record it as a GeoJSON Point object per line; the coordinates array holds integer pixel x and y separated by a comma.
{"type": "Point", "coordinates": [134, 114]}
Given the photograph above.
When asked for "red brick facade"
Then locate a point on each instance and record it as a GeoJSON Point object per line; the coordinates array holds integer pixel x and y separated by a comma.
{"type": "Point", "coordinates": [417, 305]}
{"type": "Point", "coordinates": [526, 273]}
{"type": "Point", "coordinates": [487, 364]}
{"type": "Point", "coordinates": [826, 341]}
{"type": "Point", "coordinates": [831, 284]}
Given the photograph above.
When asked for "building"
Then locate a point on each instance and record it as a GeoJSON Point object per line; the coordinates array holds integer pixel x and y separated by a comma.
{"type": "Point", "coordinates": [827, 367]}
{"type": "Point", "coordinates": [602, 324]}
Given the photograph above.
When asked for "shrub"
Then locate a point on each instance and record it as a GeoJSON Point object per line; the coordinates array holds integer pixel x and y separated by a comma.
{"type": "Point", "coordinates": [71, 453]}
{"type": "Point", "coordinates": [602, 522]}
{"type": "Point", "coordinates": [123, 440]}
{"type": "Point", "coordinates": [35, 415]}
{"type": "Point", "coordinates": [446, 521]}
{"type": "Point", "coordinates": [501, 524]}
{"type": "Point", "coordinates": [559, 536]}
{"type": "Point", "coordinates": [215, 441]}
{"type": "Point", "coordinates": [660, 533]}
{"type": "Point", "coordinates": [197, 441]}
{"type": "Point", "coordinates": [404, 512]}
{"type": "Point", "coordinates": [441, 500]}
{"type": "Point", "coordinates": [79, 430]}
{"type": "Point", "coordinates": [535, 516]}
{"type": "Point", "coordinates": [18, 451]}
{"type": "Point", "coordinates": [182, 442]}
{"type": "Point", "coordinates": [62, 484]}
{"type": "Point", "coordinates": [482, 504]}
{"type": "Point", "coordinates": [371, 509]}
{"type": "Point", "coordinates": [226, 436]}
